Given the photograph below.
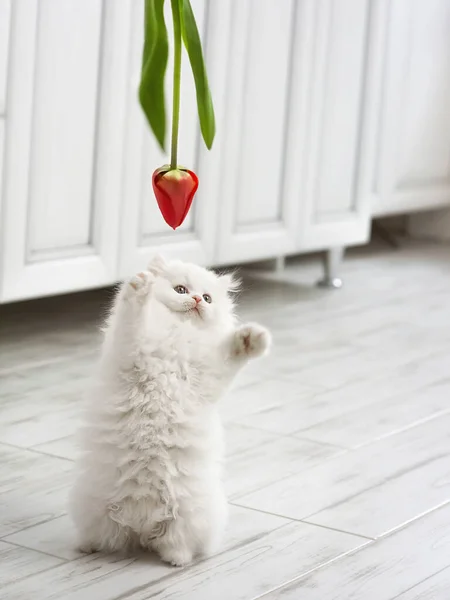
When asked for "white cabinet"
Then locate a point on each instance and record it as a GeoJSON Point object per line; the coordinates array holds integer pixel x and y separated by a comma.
{"type": "Point", "coordinates": [5, 11]}
{"type": "Point", "coordinates": [59, 234]}
{"type": "Point", "coordinates": [412, 170]}
{"type": "Point", "coordinates": [293, 149]}
{"type": "Point", "coordinates": [327, 111]}
{"type": "Point", "coordinates": [256, 220]}
{"type": "Point", "coordinates": [323, 147]}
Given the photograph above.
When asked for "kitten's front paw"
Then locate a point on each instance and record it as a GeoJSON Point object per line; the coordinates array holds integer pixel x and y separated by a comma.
{"type": "Point", "coordinates": [140, 284]}
{"type": "Point", "coordinates": [251, 340]}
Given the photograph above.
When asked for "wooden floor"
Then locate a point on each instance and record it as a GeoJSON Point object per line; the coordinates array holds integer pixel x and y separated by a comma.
{"type": "Point", "coordinates": [338, 467]}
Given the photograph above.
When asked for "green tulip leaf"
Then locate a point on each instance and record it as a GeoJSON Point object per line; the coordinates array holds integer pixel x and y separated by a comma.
{"type": "Point", "coordinates": [192, 43]}
{"type": "Point", "coordinates": [154, 64]}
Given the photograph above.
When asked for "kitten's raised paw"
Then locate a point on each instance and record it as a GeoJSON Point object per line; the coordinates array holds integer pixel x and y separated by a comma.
{"type": "Point", "coordinates": [251, 340]}
{"type": "Point", "coordinates": [140, 284]}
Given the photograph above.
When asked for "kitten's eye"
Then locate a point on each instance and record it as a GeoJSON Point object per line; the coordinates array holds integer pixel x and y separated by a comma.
{"type": "Point", "coordinates": [180, 289]}
{"type": "Point", "coordinates": [207, 298]}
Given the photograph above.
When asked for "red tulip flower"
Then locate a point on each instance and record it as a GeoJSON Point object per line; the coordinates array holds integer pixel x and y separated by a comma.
{"type": "Point", "coordinates": [174, 186]}
{"type": "Point", "coordinates": [174, 190]}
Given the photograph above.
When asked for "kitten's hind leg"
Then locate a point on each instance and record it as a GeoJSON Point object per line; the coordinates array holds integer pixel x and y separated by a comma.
{"type": "Point", "coordinates": [175, 546]}
{"type": "Point", "coordinates": [197, 533]}
{"type": "Point", "coordinates": [104, 534]}
{"type": "Point", "coordinates": [95, 521]}
{"type": "Point", "coordinates": [210, 525]}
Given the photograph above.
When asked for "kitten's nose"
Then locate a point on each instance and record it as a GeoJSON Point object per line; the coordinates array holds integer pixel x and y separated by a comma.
{"type": "Point", "coordinates": [197, 299]}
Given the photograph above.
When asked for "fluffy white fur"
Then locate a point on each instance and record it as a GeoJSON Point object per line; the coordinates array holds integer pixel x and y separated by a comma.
{"type": "Point", "coordinates": [151, 471]}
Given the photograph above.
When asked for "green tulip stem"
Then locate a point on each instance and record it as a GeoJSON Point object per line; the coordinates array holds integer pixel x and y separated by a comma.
{"type": "Point", "coordinates": [176, 82]}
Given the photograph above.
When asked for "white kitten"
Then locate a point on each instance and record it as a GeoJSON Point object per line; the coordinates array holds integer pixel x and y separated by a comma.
{"type": "Point", "coordinates": [151, 470]}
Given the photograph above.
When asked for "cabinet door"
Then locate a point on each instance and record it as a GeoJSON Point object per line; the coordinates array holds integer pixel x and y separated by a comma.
{"type": "Point", "coordinates": [333, 63]}
{"type": "Point", "coordinates": [5, 11]}
{"type": "Point", "coordinates": [413, 166]}
{"type": "Point", "coordinates": [59, 216]}
{"type": "Point", "coordinates": [143, 230]}
{"type": "Point", "coordinates": [256, 219]}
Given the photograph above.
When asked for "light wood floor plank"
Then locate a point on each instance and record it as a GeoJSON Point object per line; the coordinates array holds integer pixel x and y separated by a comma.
{"type": "Point", "coordinates": [33, 488]}
{"type": "Point", "coordinates": [384, 570]}
{"type": "Point", "coordinates": [366, 477]}
{"type": "Point", "coordinates": [41, 404]}
{"type": "Point", "coordinates": [379, 416]}
{"type": "Point", "coordinates": [327, 416]}
{"type": "Point", "coordinates": [259, 466]}
{"type": "Point", "coordinates": [435, 587]}
{"type": "Point", "coordinates": [17, 563]}
{"type": "Point", "coordinates": [56, 537]}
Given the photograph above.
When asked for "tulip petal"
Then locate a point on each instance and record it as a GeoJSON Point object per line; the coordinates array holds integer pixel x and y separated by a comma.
{"type": "Point", "coordinates": [174, 191]}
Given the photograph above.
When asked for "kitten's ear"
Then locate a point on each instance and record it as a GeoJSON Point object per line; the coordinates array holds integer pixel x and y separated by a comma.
{"type": "Point", "coordinates": [230, 282]}
{"type": "Point", "coordinates": [157, 264]}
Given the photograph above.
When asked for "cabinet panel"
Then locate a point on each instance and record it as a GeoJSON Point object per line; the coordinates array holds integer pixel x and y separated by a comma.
{"type": "Point", "coordinates": [255, 219]}
{"type": "Point", "coordinates": [143, 229]}
{"type": "Point", "coordinates": [424, 155]}
{"type": "Point", "coordinates": [264, 93]}
{"type": "Point", "coordinates": [62, 143]}
{"type": "Point", "coordinates": [326, 135]}
{"type": "Point", "coordinates": [413, 168]}
{"type": "Point", "coordinates": [5, 10]}
{"type": "Point", "coordinates": [2, 141]}
{"type": "Point", "coordinates": [342, 58]}
{"type": "Point", "coordinates": [59, 233]}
